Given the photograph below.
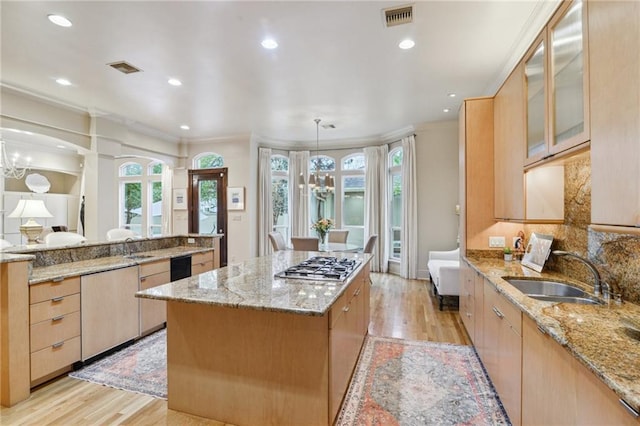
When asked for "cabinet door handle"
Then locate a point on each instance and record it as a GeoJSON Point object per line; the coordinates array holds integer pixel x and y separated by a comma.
{"type": "Point", "coordinates": [143, 279]}
{"type": "Point", "coordinates": [540, 329]}
{"type": "Point", "coordinates": [498, 313]}
{"type": "Point", "coordinates": [629, 408]}
{"type": "Point", "coordinates": [58, 318]}
{"type": "Point", "coordinates": [58, 279]}
{"type": "Point", "coordinates": [357, 292]}
{"type": "Point", "coordinates": [57, 345]}
{"type": "Point", "coordinates": [58, 299]}
{"type": "Point", "coordinates": [346, 309]}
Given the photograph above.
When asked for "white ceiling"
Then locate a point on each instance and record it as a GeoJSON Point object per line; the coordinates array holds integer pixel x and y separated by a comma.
{"type": "Point", "coordinates": [335, 61]}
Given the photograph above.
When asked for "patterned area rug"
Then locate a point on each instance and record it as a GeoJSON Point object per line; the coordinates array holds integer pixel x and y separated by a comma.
{"type": "Point", "coordinates": [141, 367]}
{"type": "Point", "coordinates": [402, 382]}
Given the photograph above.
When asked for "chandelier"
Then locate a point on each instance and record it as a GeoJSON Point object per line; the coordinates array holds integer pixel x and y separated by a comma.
{"type": "Point", "coordinates": [9, 164]}
{"type": "Point", "coordinates": [316, 183]}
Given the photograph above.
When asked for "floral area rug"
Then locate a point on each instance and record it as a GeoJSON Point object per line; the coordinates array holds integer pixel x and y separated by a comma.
{"type": "Point", "coordinates": [402, 382]}
{"type": "Point", "coordinates": [141, 367]}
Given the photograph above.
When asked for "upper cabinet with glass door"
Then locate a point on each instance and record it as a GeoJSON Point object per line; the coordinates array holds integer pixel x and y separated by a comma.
{"type": "Point", "coordinates": [557, 85]}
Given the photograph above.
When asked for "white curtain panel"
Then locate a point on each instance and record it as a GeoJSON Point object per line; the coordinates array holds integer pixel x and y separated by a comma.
{"type": "Point", "coordinates": [298, 198]}
{"type": "Point", "coordinates": [409, 233]}
{"type": "Point", "coordinates": [265, 202]}
{"type": "Point", "coordinates": [167, 200]}
{"type": "Point", "coordinates": [376, 204]}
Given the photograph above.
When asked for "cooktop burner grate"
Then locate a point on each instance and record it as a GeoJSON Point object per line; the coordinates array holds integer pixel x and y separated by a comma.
{"type": "Point", "coordinates": [321, 268]}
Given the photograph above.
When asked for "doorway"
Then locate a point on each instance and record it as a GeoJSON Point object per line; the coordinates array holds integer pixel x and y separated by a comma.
{"type": "Point", "coordinates": [208, 205]}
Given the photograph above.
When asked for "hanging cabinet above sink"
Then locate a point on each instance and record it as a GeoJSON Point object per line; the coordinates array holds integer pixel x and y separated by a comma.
{"type": "Point", "coordinates": [556, 81]}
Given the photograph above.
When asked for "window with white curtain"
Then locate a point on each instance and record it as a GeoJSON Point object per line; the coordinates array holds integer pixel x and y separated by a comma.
{"type": "Point", "coordinates": [140, 196]}
{"type": "Point", "coordinates": [207, 160]}
{"type": "Point", "coordinates": [321, 201]}
{"type": "Point", "coordinates": [280, 194]}
{"type": "Point", "coordinates": [395, 203]}
{"type": "Point", "coordinates": [352, 206]}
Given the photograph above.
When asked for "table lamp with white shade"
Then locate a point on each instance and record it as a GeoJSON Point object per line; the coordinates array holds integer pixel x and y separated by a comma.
{"type": "Point", "coordinates": [30, 209]}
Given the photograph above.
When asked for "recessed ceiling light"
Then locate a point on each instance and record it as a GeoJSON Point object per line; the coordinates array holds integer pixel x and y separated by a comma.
{"type": "Point", "coordinates": [406, 44]}
{"type": "Point", "coordinates": [63, 82]}
{"type": "Point", "coordinates": [446, 110]}
{"type": "Point", "coordinates": [174, 82]}
{"type": "Point", "coordinates": [269, 43]}
{"type": "Point", "coordinates": [451, 95]}
{"type": "Point", "coordinates": [59, 20]}
{"type": "Point", "coordinates": [185, 127]}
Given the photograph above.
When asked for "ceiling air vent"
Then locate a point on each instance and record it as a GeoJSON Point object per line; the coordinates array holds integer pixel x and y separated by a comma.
{"type": "Point", "coordinates": [398, 15]}
{"type": "Point", "coordinates": [124, 67]}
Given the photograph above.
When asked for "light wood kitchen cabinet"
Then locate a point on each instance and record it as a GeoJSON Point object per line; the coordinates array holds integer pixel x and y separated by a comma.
{"type": "Point", "coordinates": [509, 146]}
{"type": "Point", "coordinates": [153, 313]}
{"type": "Point", "coordinates": [557, 86]}
{"type": "Point", "coordinates": [478, 302]}
{"type": "Point", "coordinates": [502, 341]}
{"type": "Point", "coordinates": [558, 389]}
{"type": "Point", "coordinates": [348, 327]}
{"type": "Point", "coordinates": [202, 262]}
{"type": "Point", "coordinates": [467, 293]}
{"type": "Point", "coordinates": [54, 334]}
{"type": "Point", "coordinates": [477, 176]}
{"type": "Point", "coordinates": [614, 55]}
{"type": "Point", "coordinates": [109, 310]}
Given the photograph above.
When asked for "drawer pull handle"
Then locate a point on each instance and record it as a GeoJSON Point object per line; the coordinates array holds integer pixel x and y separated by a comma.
{"type": "Point", "coordinates": [58, 318]}
{"type": "Point", "coordinates": [57, 345]}
{"type": "Point", "coordinates": [498, 313]}
{"type": "Point", "coordinates": [357, 292]}
{"type": "Point", "coordinates": [346, 309]}
{"type": "Point", "coordinates": [58, 279]}
{"type": "Point", "coordinates": [629, 408]}
{"type": "Point", "coordinates": [540, 329]}
{"type": "Point", "coordinates": [143, 279]}
{"type": "Point", "coordinates": [58, 299]}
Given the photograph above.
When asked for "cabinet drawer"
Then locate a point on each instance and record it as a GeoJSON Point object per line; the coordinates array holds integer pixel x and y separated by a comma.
{"type": "Point", "coordinates": [201, 258]}
{"type": "Point", "coordinates": [199, 268]}
{"type": "Point", "coordinates": [58, 329]}
{"type": "Point", "coordinates": [152, 268]}
{"type": "Point", "coordinates": [52, 358]}
{"type": "Point", "coordinates": [55, 307]}
{"type": "Point", "coordinates": [154, 280]}
{"type": "Point", "coordinates": [52, 289]}
{"type": "Point", "coordinates": [510, 312]}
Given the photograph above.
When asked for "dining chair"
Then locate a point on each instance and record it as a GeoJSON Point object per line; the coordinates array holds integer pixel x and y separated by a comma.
{"type": "Point", "coordinates": [117, 234]}
{"type": "Point", "coordinates": [63, 239]}
{"type": "Point", "coordinates": [305, 243]}
{"type": "Point", "coordinates": [368, 248]}
{"type": "Point", "coordinates": [277, 241]}
{"type": "Point", "coordinates": [338, 235]}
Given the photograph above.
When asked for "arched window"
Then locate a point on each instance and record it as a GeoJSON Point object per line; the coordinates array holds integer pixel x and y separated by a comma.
{"type": "Point", "coordinates": [208, 160]}
{"type": "Point", "coordinates": [140, 200]}
{"type": "Point", "coordinates": [395, 202]}
{"type": "Point", "coordinates": [280, 194]}
{"type": "Point", "coordinates": [352, 191]}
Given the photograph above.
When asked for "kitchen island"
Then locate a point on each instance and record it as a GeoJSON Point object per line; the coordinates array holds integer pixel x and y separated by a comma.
{"type": "Point", "coordinates": [246, 347]}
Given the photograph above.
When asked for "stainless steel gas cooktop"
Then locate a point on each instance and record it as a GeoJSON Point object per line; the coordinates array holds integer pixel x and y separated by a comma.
{"type": "Point", "coordinates": [321, 268]}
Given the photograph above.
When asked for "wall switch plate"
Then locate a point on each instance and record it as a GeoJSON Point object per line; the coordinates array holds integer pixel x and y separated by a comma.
{"type": "Point", "coordinates": [191, 240]}
{"type": "Point", "coordinates": [496, 241]}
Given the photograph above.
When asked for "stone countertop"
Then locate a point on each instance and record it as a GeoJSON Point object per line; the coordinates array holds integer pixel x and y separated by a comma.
{"type": "Point", "coordinates": [101, 264]}
{"type": "Point", "coordinates": [594, 334]}
{"type": "Point", "coordinates": [10, 257]}
{"type": "Point", "coordinates": [252, 285]}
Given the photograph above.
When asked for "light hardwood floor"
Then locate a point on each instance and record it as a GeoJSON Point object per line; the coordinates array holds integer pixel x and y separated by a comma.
{"type": "Point", "coordinates": [404, 309]}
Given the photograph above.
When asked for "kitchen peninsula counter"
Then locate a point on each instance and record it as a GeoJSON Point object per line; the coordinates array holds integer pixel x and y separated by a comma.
{"type": "Point", "coordinates": [594, 334]}
{"type": "Point", "coordinates": [246, 347]}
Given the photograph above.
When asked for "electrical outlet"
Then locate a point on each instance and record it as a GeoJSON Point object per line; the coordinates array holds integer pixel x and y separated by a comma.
{"type": "Point", "coordinates": [191, 240]}
{"type": "Point", "coordinates": [496, 241]}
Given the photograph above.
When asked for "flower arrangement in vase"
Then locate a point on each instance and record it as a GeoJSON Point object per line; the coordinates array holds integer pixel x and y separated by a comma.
{"type": "Point", "coordinates": [322, 227]}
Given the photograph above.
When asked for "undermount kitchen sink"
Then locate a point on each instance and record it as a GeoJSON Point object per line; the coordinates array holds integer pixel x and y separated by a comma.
{"type": "Point", "coordinates": [138, 256]}
{"type": "Point", "coordinates": [552, 291]}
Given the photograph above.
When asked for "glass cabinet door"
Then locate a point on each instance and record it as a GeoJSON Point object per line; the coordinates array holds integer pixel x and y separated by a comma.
{"type": "Point", "coordinates": [534, 71]}
{"type": "Point", "coordinates": [568, 85]}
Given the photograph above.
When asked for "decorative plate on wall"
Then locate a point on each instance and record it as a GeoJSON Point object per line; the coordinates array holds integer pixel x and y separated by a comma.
{"type": "Point", "coordinates": [37, 183]}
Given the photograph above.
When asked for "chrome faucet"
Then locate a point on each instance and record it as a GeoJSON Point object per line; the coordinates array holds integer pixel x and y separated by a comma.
{"type": "Point", "coordinates": [127, 246]}
{"type": "Point", "coordinates": [597, 280]}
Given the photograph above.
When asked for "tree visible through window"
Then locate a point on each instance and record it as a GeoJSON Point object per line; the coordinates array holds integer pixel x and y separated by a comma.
{"type": "Point", "coordinates": [395, 208]}
{"type": "Point", "coordinates": [280, 194]}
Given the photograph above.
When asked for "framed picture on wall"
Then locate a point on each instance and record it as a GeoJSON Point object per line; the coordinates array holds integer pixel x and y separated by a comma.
{"type": "Point", "coordinates": [235, 198]}
{"type": "Point", "coordinates": [180, 199]}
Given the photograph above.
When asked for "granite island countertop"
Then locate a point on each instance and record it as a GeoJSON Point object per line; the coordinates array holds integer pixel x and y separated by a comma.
{"type": "Point", "coordinates": [594, 334]}
{"type": "Point", "coordinates": [252, 285]}
{"type": "Point", "coordinates": [101, 264]}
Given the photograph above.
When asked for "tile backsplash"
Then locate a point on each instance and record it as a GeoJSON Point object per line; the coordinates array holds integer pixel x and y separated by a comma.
{"type": "Point", "coordinates": [617, 256]}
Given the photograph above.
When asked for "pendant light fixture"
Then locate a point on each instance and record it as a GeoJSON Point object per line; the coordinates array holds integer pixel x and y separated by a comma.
{"type": "Point", "coordinates": [314, 179]}
{"type": "Point", "coordinates": [316, 183]}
